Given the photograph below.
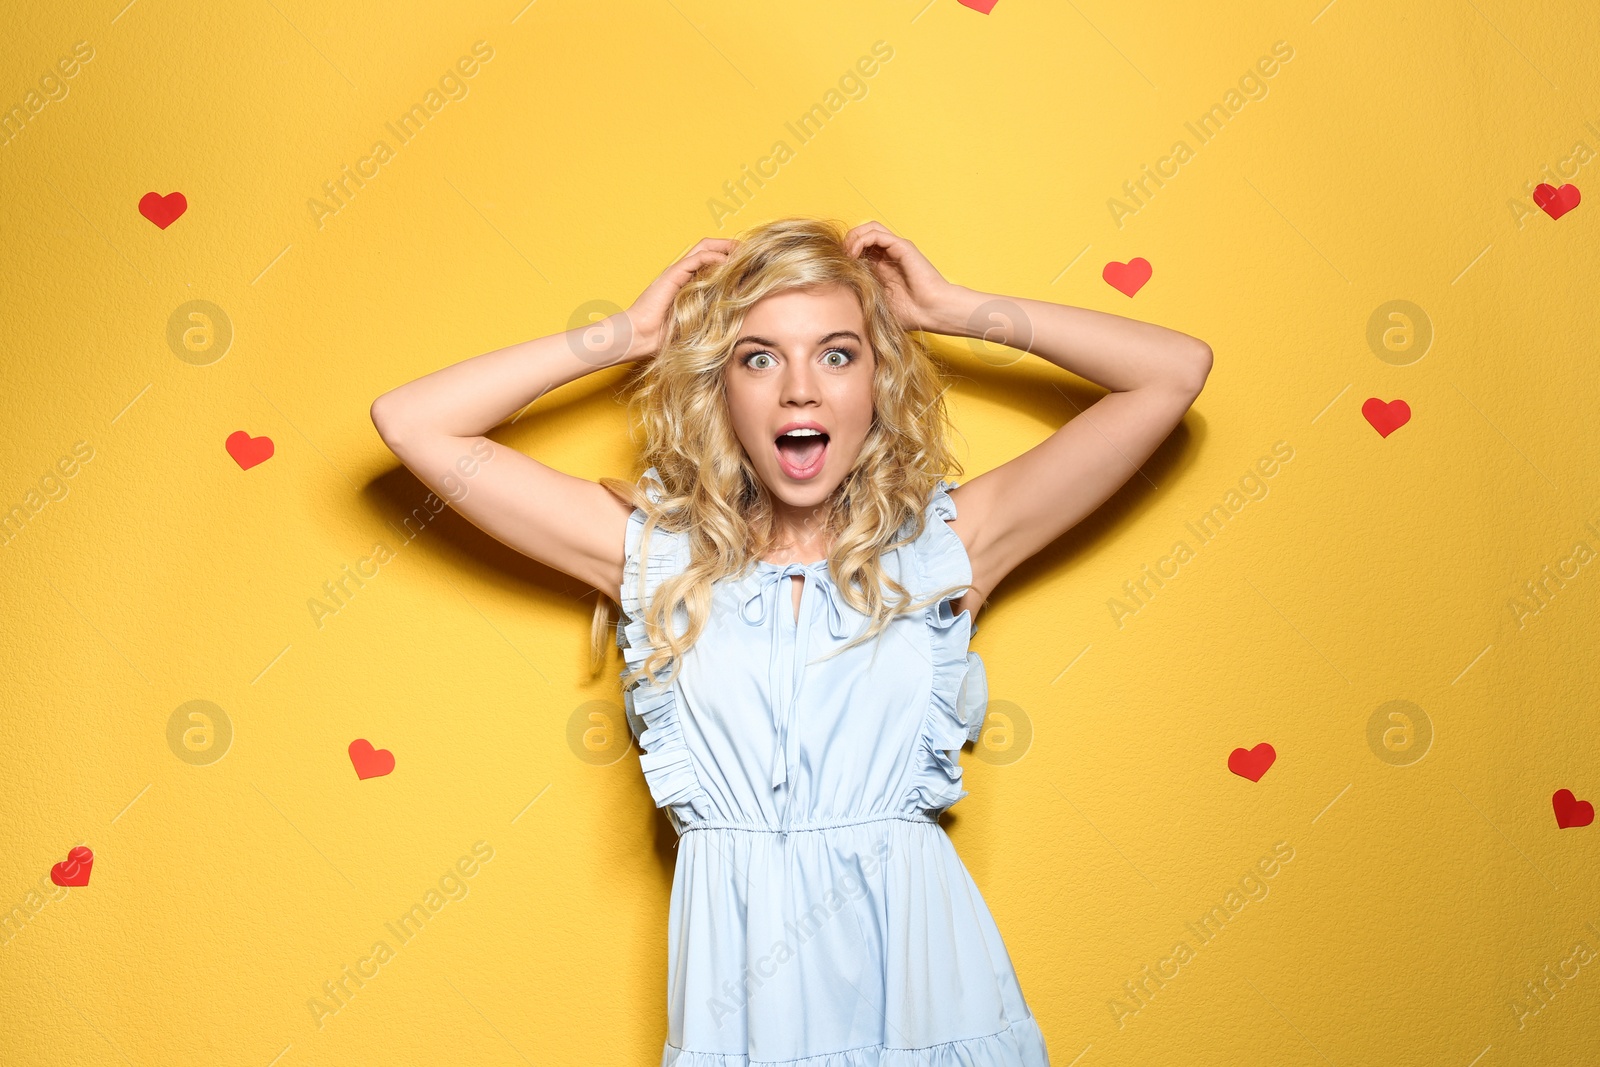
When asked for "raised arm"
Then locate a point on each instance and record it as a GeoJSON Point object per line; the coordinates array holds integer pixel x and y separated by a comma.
{"type": "Point", "coordinates": [1007, 514]}
{"type": "Point", "coordinates": [436, 424]}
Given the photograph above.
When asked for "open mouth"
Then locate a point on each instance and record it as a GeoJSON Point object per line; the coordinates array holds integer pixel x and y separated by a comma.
{"type": "Point", "coordinates": [801, 453]}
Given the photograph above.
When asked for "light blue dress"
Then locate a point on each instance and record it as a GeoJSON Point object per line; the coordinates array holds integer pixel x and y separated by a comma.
{"type": "Point", "coordinates": [820, 916]}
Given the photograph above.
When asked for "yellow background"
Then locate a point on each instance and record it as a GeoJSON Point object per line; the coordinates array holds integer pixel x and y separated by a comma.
{"type": "Point", "coordinates": [1383, 163]}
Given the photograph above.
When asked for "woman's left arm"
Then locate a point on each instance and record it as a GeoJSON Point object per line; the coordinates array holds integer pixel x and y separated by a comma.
{"type": "Point", "coordinates": [1154, 374]}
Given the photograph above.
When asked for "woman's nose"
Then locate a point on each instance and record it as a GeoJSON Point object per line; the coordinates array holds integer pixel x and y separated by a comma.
{"type": "Point", "coordinates": [798, 384]}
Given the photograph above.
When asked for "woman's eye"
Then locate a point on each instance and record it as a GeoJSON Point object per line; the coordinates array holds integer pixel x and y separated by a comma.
{"type": "Point", "coordinates": [750, 360]}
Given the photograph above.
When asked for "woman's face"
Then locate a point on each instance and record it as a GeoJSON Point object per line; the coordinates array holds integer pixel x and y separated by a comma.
{"type": "Point", "coordinates": [802, 359]}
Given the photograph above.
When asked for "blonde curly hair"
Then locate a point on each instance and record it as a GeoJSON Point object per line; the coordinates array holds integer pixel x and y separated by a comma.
{"type": "Point", "coordinates": [709, 488]}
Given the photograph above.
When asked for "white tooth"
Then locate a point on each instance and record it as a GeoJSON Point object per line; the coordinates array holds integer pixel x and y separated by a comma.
{"type": "Point", "coordinates": [803, 433]}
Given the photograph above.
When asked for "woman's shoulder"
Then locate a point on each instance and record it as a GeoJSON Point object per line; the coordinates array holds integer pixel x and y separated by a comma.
{"type": "Point", "coordinates": [658, 553]}
{"type": "Point", "coordinates": [940, 555]}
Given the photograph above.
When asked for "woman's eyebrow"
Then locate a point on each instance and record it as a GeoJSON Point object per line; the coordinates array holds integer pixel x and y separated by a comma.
{"type": "Point", "coordinates": [824, 339]}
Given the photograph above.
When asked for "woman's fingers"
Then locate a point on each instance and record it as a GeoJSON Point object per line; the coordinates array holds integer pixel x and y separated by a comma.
{"type": "Point", "coordinates": [900, 253]}
{"type": "Point", "coordinates": [885, 251]}
{"type": "Point", "coordinates": [871, 233]}
{"type": "Point", "coordinates": [679, 273]}
{"type": "Point", "coordinates": [714, 245]}
{"type": "Point", "coordinates": [872, 225]}
{"type": "Point", "coordinates": [710, 250]}
{"type": "Point", "coordinates": [702, 256]}
{"type": "Point", "coordinates": [647, 317]}
{"type": "Point", "coordinates": [911, 280]}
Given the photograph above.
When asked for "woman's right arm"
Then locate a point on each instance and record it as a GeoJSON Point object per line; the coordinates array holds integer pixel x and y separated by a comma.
{"type": "Point", "coordinates": [436, 424]}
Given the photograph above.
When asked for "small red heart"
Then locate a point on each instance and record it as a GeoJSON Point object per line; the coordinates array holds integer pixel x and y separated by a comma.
{"type": "Point", "coordinates": [370, 762]}
{"type": "Point", "coordinates": [982, 6]}
{"type": "Point", "coordinates": [1252, 763]}
{"type": "Point", "coordinates": [163, 210]}
{"type": "Point", "coordinates": [1386, 418]}
{"type": "Point", "coordinates": [247, 451]}
{"type": "Point", "coordinates": [1556, 202]}
{"type": "Point", "coordinates": [74, 870]}
{"type": "Point", "coordinates": [1570, 811]}
{"type": "Point", "coordinates": [1127, 278]}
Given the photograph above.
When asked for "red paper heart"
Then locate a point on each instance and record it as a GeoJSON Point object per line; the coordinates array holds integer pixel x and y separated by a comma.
{"type": "Point", "coordinates": [1556, 202]}
{"type": "Point", "coordinates": [74, 870]}
{"type": "Point", "coordinates": [1570, 811]}
{"type": "Point", "coordinates": [370, 762]}
{"type": "Point", "coordinates": [247, 451]}
{"type": "Point", "coordinates": [163, 210]}
{"type": "Point", "coordinates": [1252, 763]}
{"type": "Point", "coordinates": [1386, 418]}
{"type": "Point", "coordinates": [1127, 278]}
{"type": "Point", "coordinates": [983, 6]}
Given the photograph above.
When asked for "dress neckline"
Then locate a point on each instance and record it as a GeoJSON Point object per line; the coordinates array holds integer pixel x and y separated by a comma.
{"type": "Point", "coordinates": [769, 565]}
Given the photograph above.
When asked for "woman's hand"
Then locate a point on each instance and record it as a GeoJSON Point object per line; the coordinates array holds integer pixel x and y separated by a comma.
{"type": "Point", "coordinates": [647, 317]}
{"type": "Point", "coordinates": [918, 294]}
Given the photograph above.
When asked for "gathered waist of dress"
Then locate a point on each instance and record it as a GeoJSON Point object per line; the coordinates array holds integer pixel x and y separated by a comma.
{"type": "Point", "coordinates": [802, 826]}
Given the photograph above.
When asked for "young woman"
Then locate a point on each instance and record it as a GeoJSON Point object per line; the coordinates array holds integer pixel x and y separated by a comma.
{"type": "Point", "coordinates": [804, 745]}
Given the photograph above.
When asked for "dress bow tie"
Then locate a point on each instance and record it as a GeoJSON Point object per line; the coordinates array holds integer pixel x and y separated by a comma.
{"type": "Point", "coordinates": [816, 574]}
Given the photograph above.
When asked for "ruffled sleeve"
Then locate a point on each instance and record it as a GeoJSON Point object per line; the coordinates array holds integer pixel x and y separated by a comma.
{"type": "Point", "coordinates": [960, 686]}
{"type": "Point", "coordinates": [652, 708]}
